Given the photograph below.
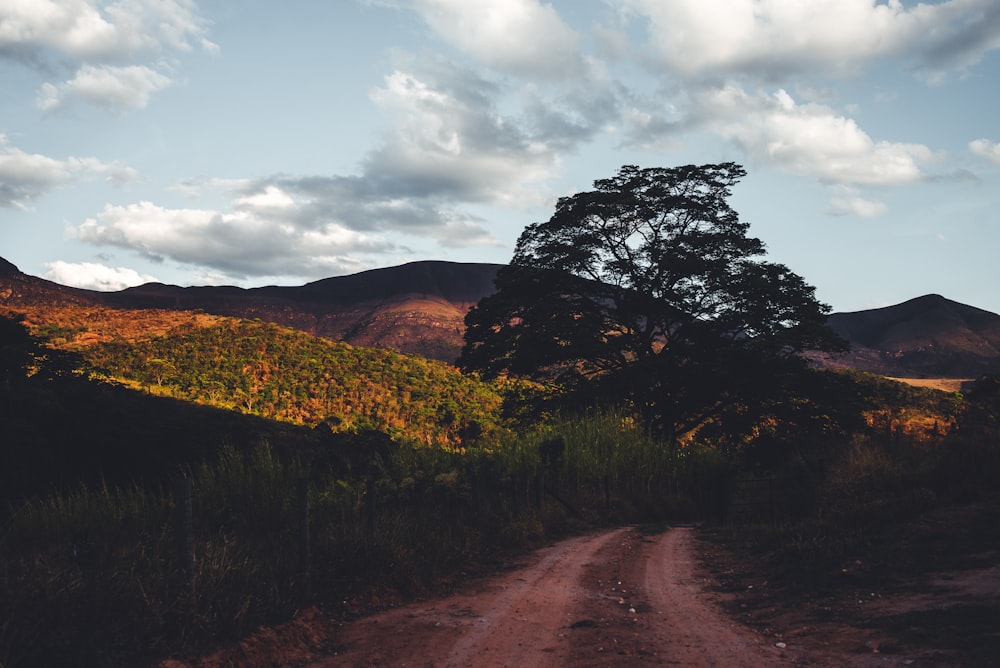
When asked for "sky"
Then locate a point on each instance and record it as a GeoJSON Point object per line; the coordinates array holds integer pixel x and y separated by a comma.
{"type": "Point", "coordinates": [209, 142]}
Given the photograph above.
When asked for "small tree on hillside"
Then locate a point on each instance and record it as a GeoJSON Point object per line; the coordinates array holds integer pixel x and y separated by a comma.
{"type": "Point", "coordinates": [648, 289]}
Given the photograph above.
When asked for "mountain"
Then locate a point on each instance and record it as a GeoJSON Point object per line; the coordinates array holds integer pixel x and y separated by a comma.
{"type": "Point", "coordinates": [926, 337]}
{"type": "Point", "coordinates": [414, 308]}
{"type": "Point", "coordinates": [17, 288]}
{"type": "Point", "coordinates": [420, 308]}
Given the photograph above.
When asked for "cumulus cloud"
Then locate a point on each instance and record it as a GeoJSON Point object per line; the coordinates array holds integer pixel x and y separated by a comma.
{"type": "Point", "coordinates": [107, 87]}
{"type": "Point", "coordinates": [91, 30]}
{"type": "Point", "coordinates": [523, 37]}
{"type": "Point", "coordinates": [115, 50]}
{"type": "Point", "coordinates": [807, 139]}
{"type": "Point", "coordinates": [309, 226]}
{"type": "Point", "coordinates": [852, 204]}
{"type": "Point", "coordinates": [775, 38]}
{"type": "Point", "coordinates": [27, 176]}
{"type": "Point", "coordinates": [95, 276]}
{"type": "Point", "coordinates": [448, 140]}
{"type": "Point", "coordinates": [985, 148]}
{"type": "Point", "coordinates": [447, 148]}
{"type": "Point", "coordinates": [241, 243]}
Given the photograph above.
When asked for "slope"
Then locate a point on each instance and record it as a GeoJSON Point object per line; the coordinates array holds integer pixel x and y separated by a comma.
{"type": "Point", "coordinates": [414, 308]}
{"type": "Point", "coordinates": [926, 337]}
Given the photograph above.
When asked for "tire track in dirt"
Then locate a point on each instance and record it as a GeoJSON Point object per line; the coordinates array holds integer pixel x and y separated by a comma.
{"type": "Point", "coordinates": [692, 630]}
{"type": "Point", "coordinates": [522, 625]}
{"type": "Point", "coordinates": [513, 620]}
{"type": "Point", "coordinates": [616, 598]}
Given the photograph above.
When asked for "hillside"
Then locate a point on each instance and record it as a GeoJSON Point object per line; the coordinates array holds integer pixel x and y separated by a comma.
{"type": "Point", "coordinates": [420, 307]}
{"type": "Point", "coordinates": [17, 288]}
{"type": "Point", "coordinates": [926, 337]}
{"type": "Point", "coordinates": [135, 394]}
{"type": "Point", "coordinates": [414, 308]}
{"type": "Point", "coordinates": [280, 373]}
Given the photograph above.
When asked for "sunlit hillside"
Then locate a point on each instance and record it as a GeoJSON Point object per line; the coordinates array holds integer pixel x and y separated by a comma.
{"type": "Point", "coordinates": [272, 371]}
{"type": "Point", "coordinates": [281, 373]}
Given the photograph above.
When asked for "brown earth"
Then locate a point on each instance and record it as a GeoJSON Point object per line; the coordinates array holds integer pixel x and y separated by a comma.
{"type": "Point", "coordinates": [924, 592]}
{"type": "Point", "coordinates": [679, 597]}
{"type": "Point", "coordinates": [612, 598]}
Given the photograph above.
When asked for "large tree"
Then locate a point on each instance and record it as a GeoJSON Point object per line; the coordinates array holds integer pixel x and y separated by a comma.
{"type": "Point", "coordinates": [648, 289]}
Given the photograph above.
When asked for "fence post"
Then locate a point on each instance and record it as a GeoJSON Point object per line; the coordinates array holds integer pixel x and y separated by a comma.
{"type": "Point", "coordinates": [302, 504]}
{"type": "Point", "coordinates": [184, 527]}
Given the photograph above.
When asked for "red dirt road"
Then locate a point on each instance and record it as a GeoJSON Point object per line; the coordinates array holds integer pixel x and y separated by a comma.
{"type": "Point", "coordinates": [614, 598]}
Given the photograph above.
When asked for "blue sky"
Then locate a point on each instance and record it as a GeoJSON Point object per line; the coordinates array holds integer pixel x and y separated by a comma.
{"type": "Point", "coordinates": [253, 143]}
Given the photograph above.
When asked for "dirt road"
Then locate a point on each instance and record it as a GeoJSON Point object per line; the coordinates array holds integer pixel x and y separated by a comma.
{"type": "Point", "coordinates": [614, 598]}
{"type": "Point", "coordinates": [626, 597]}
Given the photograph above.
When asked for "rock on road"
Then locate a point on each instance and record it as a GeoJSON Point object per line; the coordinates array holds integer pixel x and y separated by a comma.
{"type": "Point", "coordinates": [613, 598]}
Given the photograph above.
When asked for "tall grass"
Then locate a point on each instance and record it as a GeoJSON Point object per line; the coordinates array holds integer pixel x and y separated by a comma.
{"type": "Point", "coordinates": [93, 577]}
{"type": "Point", "coordinates": [874, 484]}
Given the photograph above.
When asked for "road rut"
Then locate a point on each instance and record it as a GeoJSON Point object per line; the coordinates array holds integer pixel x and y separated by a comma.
{"type": "Point", "coordinates": [617, 597]}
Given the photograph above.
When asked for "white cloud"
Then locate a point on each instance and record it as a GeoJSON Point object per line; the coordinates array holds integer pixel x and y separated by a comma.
{"type": "Point", "coordinates": [97, 31]}
{"type": "Point", "coordinates": [107, 87]}
{"type": "Point", "coordinates": [94, 276]}
{"type": "Point", "coordinates": [116, 49]}
{"type": "Point", "coordinates": [194, 188]}
{"type": "Point", "coordinates": [27, 176]}
{"type": "Point", "coordinates": [449, 141]}
{"type": "Point", "coordinates": [239, 244]}
{"type": "Point", "coordinates": [522, 37]}
{"type": "Point", "coordinates": [807, 139]}
{"type": "Point", "coordinates": [985, 148]}
{"type": "Point", "coordinates": [281, 226]}
{"type": "Point", "coordinates": [852, 204]}
{"type": "Point", "coordinates": [772, 38]}
{"type": "Point", "coordinates": [272, 199]}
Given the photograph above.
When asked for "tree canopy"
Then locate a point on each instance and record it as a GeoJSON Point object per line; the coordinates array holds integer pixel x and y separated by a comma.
{"type": "Point", "coordinates": [649, 289]}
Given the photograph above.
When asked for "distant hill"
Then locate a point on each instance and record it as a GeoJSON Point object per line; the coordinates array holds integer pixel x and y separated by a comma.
{"type": "Point", "coordinates": [420, 308]}
{"type": "Point", "coordinates": [18, 288]}
{"type": "Point", "coordinates": [415, 308]}
{"type": "Point", "coordinates": [926, 337]}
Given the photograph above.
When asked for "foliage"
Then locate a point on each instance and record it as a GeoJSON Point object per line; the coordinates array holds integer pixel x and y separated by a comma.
{"type": "Point", "coordinates": [983, 408]}
{"type": "Point", "coordinates": [90, 576]}
{"type": "Point", "coordinates": [23, 355]}
{"type": "Point", "coordinates": [280, 373]}
{"type": "Point", "coordinates": [60, 426]}
{"type": "Point", "coordinates": [862, 486]}
{"type": "Point", "coordinates": [649, 288]}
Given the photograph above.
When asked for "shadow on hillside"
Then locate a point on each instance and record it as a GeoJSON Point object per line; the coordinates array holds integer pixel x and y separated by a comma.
{"type": "Point", "coordinates": [63, 431]}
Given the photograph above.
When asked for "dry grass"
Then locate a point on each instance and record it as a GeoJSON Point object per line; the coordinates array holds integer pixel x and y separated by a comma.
{"type": "Point", "coordinates": [943, 384]}
{"type": "Point", "coordinates": [82, 326]}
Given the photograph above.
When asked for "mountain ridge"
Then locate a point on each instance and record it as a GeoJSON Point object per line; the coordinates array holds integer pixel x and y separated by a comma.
{"type": "Point", "coordinates": [416, 308]}
{"type": "Point", "coordinates": [924, 337]}
{"type": "Point", "coordinates": [419, 308]}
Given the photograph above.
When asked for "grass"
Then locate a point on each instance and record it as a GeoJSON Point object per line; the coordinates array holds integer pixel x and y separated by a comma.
{"type": "Point", "coordinates": [874, 491]}
{"type": "Point", "coordinates": [92, 577]}
{"type": "Point", "coordinates": [943, 384]}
